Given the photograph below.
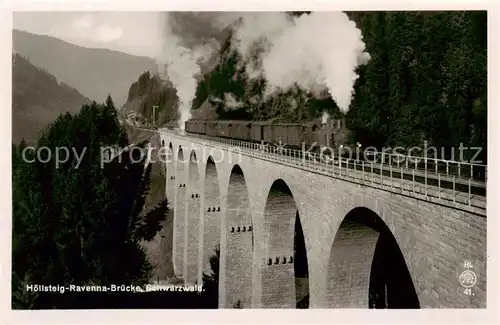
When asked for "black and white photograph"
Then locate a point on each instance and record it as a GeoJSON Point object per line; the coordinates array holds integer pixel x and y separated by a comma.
{"type": "Point", "coordinates": [249, 160]}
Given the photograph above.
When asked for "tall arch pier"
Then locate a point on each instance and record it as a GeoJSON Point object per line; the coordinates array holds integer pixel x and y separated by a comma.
{"type": "Point", "coordinates": [290, 236]}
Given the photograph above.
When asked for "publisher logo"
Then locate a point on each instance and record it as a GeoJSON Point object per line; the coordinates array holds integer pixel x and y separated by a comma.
{"type": "Point", "coordinates": [467, 279]}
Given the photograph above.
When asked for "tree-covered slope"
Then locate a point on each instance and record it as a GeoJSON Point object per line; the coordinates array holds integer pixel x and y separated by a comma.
{"type": "Point", "coordinates": [426, 81]}
{"type": "Point", "coordinates": [38, 98]}
{"type": "Point", "coordinates": [94, 72]}
{"type": "Point", "coordinates": [148, 91]}
{"type": "Point", "coordinates": [86, 221]}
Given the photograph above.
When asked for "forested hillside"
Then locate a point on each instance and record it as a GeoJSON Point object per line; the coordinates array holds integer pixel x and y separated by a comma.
{"type": "Point", "coordinates": [94, 72]}
{"type": "Point", "coordinates": [150, 90]}
{"type": "Point", "coordinates": [38, 98]}
{"type": "Point", "coordinates": [426, 81]}
{"type": "Point", "coordinates": [79, 222]}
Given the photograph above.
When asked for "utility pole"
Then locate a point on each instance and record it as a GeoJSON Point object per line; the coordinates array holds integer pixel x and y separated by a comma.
{"type": "Point", "coordinates": [153, 119]}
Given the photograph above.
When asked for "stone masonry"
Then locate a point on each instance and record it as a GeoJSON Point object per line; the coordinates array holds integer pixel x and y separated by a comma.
{"type": "Point", "coordinates": [237, 246]}
{"type": "Point", "coordinates": [278, 279]}
{"type": "Point", "coordinates": [179, 214]}
{"type": "Point", "coordinates": [350, 262]}
{"type": "Point", "coordinates": [210, 223]}
{"type": "Point", "coordinates": [254, 229]}
{"type": "Point", "coordinates": [193, 216]}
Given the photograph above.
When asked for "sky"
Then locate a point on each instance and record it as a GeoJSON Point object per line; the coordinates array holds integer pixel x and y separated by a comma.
{"type": "Point", "coordinates": [130, 32]}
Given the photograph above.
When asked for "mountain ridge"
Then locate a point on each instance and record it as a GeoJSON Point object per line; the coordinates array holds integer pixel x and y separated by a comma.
{"type": "Point", "coordinates": [94, 72]}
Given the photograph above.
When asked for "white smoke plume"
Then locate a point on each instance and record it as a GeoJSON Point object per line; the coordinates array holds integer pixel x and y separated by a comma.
{"type": "Point", "coordinates": [183, 53]}
{"type": "Point", "coordinates": [230, 102]}
{"type": "Point", "coordinates": [324, 117]}
{"type": "Point", "coordinates": [316, 52]}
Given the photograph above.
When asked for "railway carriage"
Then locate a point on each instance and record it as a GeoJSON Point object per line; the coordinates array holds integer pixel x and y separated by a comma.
{"type": "Point", "coordinates": [196, 126]}
{"type": "Point", "coordinates": [211, 128]}
{"type": "Point", "coordinates": [190, 126]}
{"type": "Point", "coordinates": [267, 131]}
{"type": "Point", "coordinates": [257, 130]}
{"type": "Point", "coordinates": [279, 133]}
{"type": "Point", "coordinates": [202, 127]}
{"type": "Point", "coordinates": [294, 136]}
{"type": "Point", "coordinates": [241, 130]}
{"type": "Point", "coordinates": [224, 129]}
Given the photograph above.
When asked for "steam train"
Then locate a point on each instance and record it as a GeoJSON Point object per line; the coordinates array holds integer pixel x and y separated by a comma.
{"type": "Point", "coordinates": [331, 133]}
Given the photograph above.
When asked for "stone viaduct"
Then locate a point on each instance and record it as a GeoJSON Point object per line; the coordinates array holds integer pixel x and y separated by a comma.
{"type": "Point", "coordinates": [247, 206]}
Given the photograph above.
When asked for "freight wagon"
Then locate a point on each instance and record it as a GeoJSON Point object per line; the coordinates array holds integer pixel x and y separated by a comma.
{"type": "Point", "coordinates": [331, 134]}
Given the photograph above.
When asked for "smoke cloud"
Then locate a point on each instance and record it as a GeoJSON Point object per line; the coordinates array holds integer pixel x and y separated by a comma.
{"type": "Point", "coordinates": [188, 43]}
{"type": "Point", "coordinates": [317, 52]}
{"type": "Point", "coordinates": [230, 102]}
{"type": "Point", "coordinates": [324, 117]}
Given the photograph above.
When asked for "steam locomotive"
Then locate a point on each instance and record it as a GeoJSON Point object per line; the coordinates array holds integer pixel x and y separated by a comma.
{"type": "Point", "coordinates": [331, 133]}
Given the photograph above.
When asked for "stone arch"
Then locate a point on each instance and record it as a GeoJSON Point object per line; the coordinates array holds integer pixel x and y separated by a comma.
{"type": "Point", "coordinates": [180, 212]}
{"type": "Point", "coordinates": [192, 221]}
{"type": "Point", "coordinates": [281, 277]}
{"type": "Point", "coordinates": [211, 217]}
{"type": "Point", "coordinates": [366, 256]}
{"type": "Point", "coordinates": [237, 244]}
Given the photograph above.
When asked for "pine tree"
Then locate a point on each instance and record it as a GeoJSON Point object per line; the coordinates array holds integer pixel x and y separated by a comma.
{"type": "Point", "coordinates": [80, 222]}
{"type": "Point", "coordinates": [211, 281]}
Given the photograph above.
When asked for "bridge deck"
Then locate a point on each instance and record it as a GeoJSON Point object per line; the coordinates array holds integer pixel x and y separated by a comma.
{"type": "Point", "coordinates": [458, 192]}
